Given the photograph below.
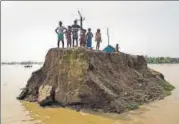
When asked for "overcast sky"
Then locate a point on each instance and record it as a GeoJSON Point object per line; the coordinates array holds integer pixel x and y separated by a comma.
{"type": "Point", "coordinates": [147, 28]}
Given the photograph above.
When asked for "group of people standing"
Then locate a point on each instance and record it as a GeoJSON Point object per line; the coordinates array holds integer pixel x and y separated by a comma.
{"type": "Point", "coordinates": [71, 34]}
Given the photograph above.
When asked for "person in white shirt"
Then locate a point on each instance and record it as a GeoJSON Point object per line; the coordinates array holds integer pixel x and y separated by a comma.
{"type": "Point", "coordinates": [60, 30]}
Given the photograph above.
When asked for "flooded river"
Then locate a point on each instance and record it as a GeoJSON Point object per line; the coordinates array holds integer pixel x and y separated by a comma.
{"type": "Point", "coordinates": [14, 77]}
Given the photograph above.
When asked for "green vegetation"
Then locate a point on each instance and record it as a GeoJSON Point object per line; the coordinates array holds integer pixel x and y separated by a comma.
{"type": "Point", "coordinates": [156, 60]}
{"type": "Point", "coordinates": [132, 106]}
{"type": "Point", "coordinates": [168, 88]}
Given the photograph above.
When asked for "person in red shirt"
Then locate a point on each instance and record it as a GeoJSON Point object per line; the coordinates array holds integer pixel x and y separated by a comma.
{"type": "Point", "coordinates": [83, 37]}
{"type": "Point", "coordinates": [68, 36]}
{"type": "Point", "coordinates": [98, 39]}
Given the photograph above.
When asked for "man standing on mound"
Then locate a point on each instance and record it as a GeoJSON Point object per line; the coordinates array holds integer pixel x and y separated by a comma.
{"type": "Point", "coordinates": [75, 29]}
{"type": "Point", "coordinates": [60, 32]}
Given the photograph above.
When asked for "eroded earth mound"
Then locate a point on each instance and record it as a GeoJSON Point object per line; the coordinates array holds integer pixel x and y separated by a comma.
{"type": "Point", "coordinates": [95, 80]}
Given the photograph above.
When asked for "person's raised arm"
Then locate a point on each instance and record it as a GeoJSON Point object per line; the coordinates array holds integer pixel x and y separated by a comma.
{"type": "Point", "coordinates": [65, 30]}
{"type": "Point", "coordinates": [56, 30]}
{"type": "Point", "coordinates": [96, 37]}
{"type": "Point", "coordinates": [86, 35]}
{"type": "Point", "coordinates": [71, 31]}
{"type": "Point", "coordinates": [72, 28]}
{"type": "Point", "coordinates": [100, 37]}
{"type": "Point", "coordinates": [79, 26]}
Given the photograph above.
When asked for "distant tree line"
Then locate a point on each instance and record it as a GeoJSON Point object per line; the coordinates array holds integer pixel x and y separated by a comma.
{"type": "Point", "coordinates": [153, 60]}
{"type": "Point", "coordinates": [156, 60]}
{"type": "Point", "coordinates": [21, 63]}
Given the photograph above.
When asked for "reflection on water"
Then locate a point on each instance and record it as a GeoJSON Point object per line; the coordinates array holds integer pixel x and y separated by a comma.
{"type": "Point", "coordinates": [13, 78]}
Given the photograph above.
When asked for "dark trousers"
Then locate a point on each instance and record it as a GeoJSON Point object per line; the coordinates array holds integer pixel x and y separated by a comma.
{"type": "Point", "coordinates": [74, 41]}
{"type": "Point", "coordinates": [58, 44]}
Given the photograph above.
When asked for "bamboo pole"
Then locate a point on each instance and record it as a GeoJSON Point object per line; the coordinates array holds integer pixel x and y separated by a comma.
{"type": "Point", "coordinates": [108, 35]}
{"type": "Point", "coordinates": [81, 19]}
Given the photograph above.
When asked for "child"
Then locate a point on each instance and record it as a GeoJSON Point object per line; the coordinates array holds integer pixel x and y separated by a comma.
{"type": "Point", "coordinates": [83, 37]}
{"type": "Point", "coordinates": [89, 37]}
{"type": "Point", "coordinates": [117, 47]}
{"type": "Point", "coordinates": [98, 39]}
{"type": "Point", "coordinates": [68, 36]}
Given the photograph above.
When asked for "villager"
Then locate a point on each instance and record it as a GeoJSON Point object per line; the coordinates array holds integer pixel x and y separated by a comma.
{"type": "Point", "coordinates": [60, 31]}
{"type": "Point", "coordinates": [89, 37]}
{"type": "Point", "coordinates": [83, 37]}
{"type": "Point", "coordinates": [75, 29]}
{"type": "Point", "coordinates": [68, 36]}
{"type": "Point", "coordinates": [117, 47]}
{"type": "Point", "coordinates": [98, 39]}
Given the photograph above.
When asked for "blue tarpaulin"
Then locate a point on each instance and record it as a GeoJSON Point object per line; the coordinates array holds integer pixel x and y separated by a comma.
{"type": "Point", "coordinates": [109, 49]}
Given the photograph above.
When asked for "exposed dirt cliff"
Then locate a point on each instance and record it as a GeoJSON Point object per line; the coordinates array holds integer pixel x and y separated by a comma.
{"type": "Point", "coordinates": [95, 80]}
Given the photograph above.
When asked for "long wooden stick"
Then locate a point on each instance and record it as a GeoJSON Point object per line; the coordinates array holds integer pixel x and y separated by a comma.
{"type": "Point", "coordinates": [108, 35]}
{"type": "Point", "coordinates": [81, 19]}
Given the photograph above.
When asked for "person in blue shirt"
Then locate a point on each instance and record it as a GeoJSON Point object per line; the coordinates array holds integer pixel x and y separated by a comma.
{"type": "Point", "coordinates": [89, 37]}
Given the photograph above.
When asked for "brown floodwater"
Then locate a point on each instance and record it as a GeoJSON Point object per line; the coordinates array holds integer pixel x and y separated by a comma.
{"type": "Point", "coordinates": [14, 77]}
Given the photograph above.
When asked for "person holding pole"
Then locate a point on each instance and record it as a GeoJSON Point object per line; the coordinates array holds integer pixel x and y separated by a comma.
{"type": "Point", "coordinates": [75, 29]}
